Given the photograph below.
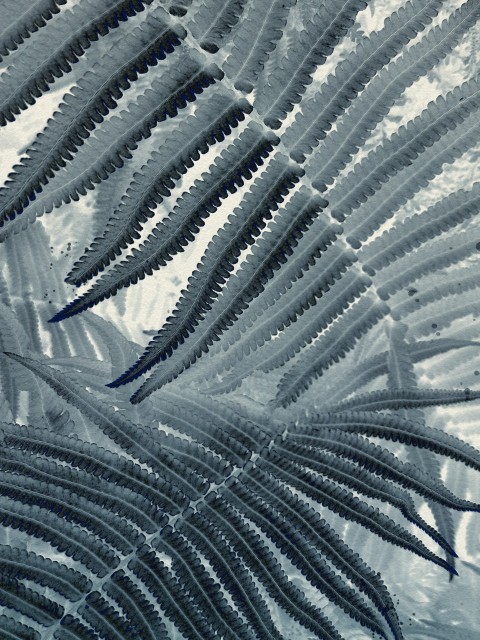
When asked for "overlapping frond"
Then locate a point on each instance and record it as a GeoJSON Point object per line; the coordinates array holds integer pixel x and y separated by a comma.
{"type": "Point", "coordinates": [179, 513]}
{"type": "Point", "coordinates": [220, 257]}
{"type": "Point", "coordinates": [313, 45]}
{"type": "Point", "coordinates": [111, 145]}
{"type": "Point", "coordinates": [385, 89]}
{"type": "Point", "coordinates": [413, 232]}
{"type": "Point", "coordinates": [135, 533]}
{"type": "Point", "coordinates": [404, 148]}
{"type": "Point", "coordinates": [161, 172]}
{"type": "Point", "coordinates": [303, 323]}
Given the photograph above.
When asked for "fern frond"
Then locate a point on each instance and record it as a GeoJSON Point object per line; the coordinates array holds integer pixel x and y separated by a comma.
{"type": "Point", "coordinates": [404, 149]}
{"type": "Point", "coordinates": [448, 251]}
{"type": "Point", "coordinates": [148, 539]}
{"type": "Point", "coordinates": [352, 74]}
{"type": "Point", "coordinates": [235, 165]}
{"type": "Point", "coordinates": [384, 90]}
{"type": "Point", "coordinates": [114, 424]}
{"type": "Point", "coordinates": [220, 257]}
{"type": "Point", "coordinates": [384, 463]}
{"type": "Point", "coordinates": [298, 330]}
{"type": "Point", "coordinates": [394, 399]}
{"type": "Point", "coordinates": [51, 54]}
{"type": "Point", "coordinates": [418, 229]}
{"type": "Point", "coordinates": [292, 289]}
{"type": "Point", "coordinates": [398, 430]}
{"type": "Point", "coordinates": [84, 108]}
{"type": "Point", "coordinates": [118, 138]}
{"type": "Point", "coordinates": [458, 282]}
{"type": "Point", "coordinates": [410, 181]}
{"type": "Point", "coordinates": [302, 463]}
{"type": "Point", "coordinates": [324, 538]}
{"type": "Point", "coordinates": [281, 532]}
{"type": "Point", "coordinates": [438, 315]}
{"type": "Point", "coordinates": [345, 504]}
{"type": "Point", "coordinates": [249, 545]}
{"type": "Point", "coordinates": [191, 531]}
{"type": "Point", "coordinates": [317, 40]}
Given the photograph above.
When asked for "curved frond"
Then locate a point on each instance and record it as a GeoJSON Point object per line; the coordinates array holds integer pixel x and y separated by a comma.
{"type": "Point", "coordinates": [254, 127]}
{"type": "Point", "coordinates": [294, 288]}
{"type": "Point", "coordinates": [84, 107]}
{"type": "Point", "coordinates": [221, 255]}
{"type": "Point", "coordinates": [398, 430]}
{"type": "Point", "coordinates": [231, 169]}
{"type": "Point", "coordinates": [297, 332]}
